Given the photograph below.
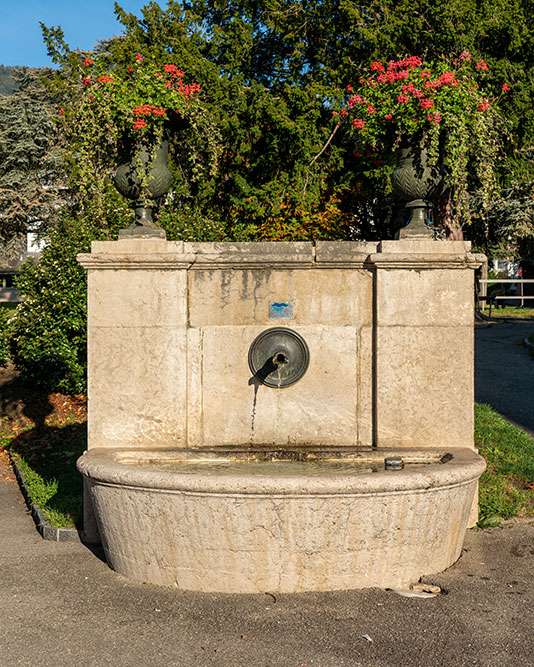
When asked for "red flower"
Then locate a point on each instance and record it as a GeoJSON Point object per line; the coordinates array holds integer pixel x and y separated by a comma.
{"type": "Point", "coordinates": [139, 58]}
{"type": "Point", "coordinates": [61, 112]}
{"type": "Point", "coordinates": [447, 78]}
{"type": "Point", "coordinates": [403, 99]}
{"type": "Point", "coordinates": [86, 81]}
{"type": "Point", "coordinates": [465, 55]}
{"type": "Point", "coordinates": [377, 67]}
{"type": "Point", "coordinates": [172, 69]}
{"type": "Point", "coordinates": [505, 87]}
{"type": "Point", "coordinates": [139, 124]}
{"type": "Point", "coordinates": [412, 61]}
{"type": "Point", "coordinates": [427, 103]}
{"type": "Point", "coordinates": [482, 65]}
{"type": "Point", "coordinates": [359, 124]}
{"type": "Point", "coordinates": [388, 117]}
{"type": "Point", "coordinates": [190, 89]}
{"type": "Point", "coordinates": [349, 88]}
{"type": "Point", "coordinates": [142, 110]}
{"type": "Point", "coordinates": [105, 79]}
{"type": "Point", "coordinates": [88, 62]}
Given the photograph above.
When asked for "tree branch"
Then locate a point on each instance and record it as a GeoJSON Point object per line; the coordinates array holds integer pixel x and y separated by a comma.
{"type": "Point", "coordinates": [336, 128]}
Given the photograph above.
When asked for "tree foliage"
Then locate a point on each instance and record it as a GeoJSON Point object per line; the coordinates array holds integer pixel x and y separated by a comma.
{"type": "Point", "coordinates": [8, 84]}
{"type": "Point", "coordinates": [272, 72]}
{"type": "Point", "coordinates": [29, 165]}
{"type": "Point", "coordinates": [270, 75]}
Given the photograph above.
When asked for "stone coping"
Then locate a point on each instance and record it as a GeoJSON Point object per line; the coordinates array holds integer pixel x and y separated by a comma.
{"type": "Point", "coordinates": [104, 466]}
{"type": "Point", "coordinates": [158, 254]}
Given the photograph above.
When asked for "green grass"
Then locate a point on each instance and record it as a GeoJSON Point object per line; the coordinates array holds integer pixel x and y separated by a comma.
{"type": "Point", "coordinates": [47, 460]}
{"type": "Point", "coordinates": [507, 486]}
{"type": "Point", "coordinates": [525, 313]}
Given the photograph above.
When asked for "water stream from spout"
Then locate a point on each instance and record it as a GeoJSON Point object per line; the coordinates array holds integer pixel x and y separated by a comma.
{"type": "Point", "coordinates": [278, 424]}
{"type": "Point", "coordinates": [253, 416]}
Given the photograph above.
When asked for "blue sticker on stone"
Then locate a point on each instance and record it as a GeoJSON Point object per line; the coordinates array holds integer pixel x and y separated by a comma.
{"type": "Point", "coordinates": [279, 310]}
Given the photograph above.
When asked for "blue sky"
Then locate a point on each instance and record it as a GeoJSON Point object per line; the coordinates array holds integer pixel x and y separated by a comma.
{"type": "Point", "coordinates": [83, 23]}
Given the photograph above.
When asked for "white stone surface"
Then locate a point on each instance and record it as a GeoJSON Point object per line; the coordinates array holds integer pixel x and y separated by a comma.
{"type": "Point", "coordinates": [390, 333]}
{"type": "Point", "coordinates": [256, 533]}
{"type": "Point", "coordinates": [321, 408]}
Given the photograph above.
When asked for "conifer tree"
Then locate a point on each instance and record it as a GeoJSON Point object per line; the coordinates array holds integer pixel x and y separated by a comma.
{"type": "Point", "coordinates": [29, 166]}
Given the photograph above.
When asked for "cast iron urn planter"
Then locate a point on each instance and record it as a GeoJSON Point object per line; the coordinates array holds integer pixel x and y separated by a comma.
{"type": "Point", "coordinates": [129, 182]}
{"type": "Point", "coordinates": [418, 184]}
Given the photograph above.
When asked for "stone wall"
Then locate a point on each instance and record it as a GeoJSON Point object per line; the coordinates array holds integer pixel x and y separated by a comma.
{"type": "Point", "coordinates": [389, 328]}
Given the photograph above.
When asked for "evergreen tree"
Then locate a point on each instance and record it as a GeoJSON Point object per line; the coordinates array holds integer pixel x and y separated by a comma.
{"type": "Point", "coordinates": [29, 165]}
{"type": "Point", "coordinates": [7, 81]}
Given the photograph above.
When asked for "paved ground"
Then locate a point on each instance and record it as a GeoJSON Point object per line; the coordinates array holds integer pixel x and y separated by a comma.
{"type": "Point", "coordinates": [60, 605]}
{"type": "Point", "coordinates": [504, 371]}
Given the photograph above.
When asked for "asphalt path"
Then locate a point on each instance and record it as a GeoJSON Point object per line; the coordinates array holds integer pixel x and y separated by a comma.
{"type": "Point", "coordinates": [504, 371]}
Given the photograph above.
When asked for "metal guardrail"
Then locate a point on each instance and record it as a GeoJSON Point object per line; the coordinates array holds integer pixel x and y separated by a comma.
{"type": "Point", "coordinates": [518, 296]}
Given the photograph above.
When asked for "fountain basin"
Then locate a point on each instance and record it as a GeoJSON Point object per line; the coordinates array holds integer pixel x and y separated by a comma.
{"type": "Point", "coordinates": [219, 520]}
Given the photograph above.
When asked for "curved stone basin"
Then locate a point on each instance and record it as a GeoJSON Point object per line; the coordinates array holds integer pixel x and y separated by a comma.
{"type": "Point", "coordinates": [179, 518]}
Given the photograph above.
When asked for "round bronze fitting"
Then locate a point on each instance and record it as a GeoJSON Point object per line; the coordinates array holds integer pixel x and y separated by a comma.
{"type": "Point", "coordinates": [278, 357]}
{"type": "Point", "coordinates": [393, 463]}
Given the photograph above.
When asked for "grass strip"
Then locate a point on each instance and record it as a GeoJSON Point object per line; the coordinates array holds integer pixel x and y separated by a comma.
{"type": "Point", "coordinates": [46, 458]}
{"type": "Point", "coordinates": [524, 313]}
{"type": "Point", "coordinates": [507, 486]}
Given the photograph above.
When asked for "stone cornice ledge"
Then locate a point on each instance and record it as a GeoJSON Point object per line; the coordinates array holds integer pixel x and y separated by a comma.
{"type": "Point", "coordinates": [421, 261]}
{"type": "Point", "coordinates": [169, 261]}
{"type": "Point", "coordinates": [250, 261]}
{"type": "Point", "coordinates": [117, 261]}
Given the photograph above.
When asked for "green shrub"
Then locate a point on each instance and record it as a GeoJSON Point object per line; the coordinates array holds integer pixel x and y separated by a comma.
{"type": "Point", "coordinates": [6, 316]}
{"type": "Point", "coordinates": [48, 332]}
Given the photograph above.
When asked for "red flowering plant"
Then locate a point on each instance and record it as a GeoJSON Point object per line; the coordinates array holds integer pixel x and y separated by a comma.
{"type": "Point", "coordinates": [133, 105]}
{"type": "Point", "coordinates": [140, 101]}
{"type": "Point", "coordinates": [443, 105]}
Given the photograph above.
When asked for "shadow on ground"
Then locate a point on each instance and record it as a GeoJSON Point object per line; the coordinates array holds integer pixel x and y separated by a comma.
{"type": "Point", "coordinates": [49, 432]}
{"type": "Point", "coordinates": [504, 371]}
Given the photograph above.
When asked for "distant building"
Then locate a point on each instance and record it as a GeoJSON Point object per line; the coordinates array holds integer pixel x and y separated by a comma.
{"type": "Point", "coordinates": [12, 255]}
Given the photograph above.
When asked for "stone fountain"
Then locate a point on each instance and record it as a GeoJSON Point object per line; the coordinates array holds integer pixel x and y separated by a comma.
{"type": "Point", "coordinates": [245, 400]}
